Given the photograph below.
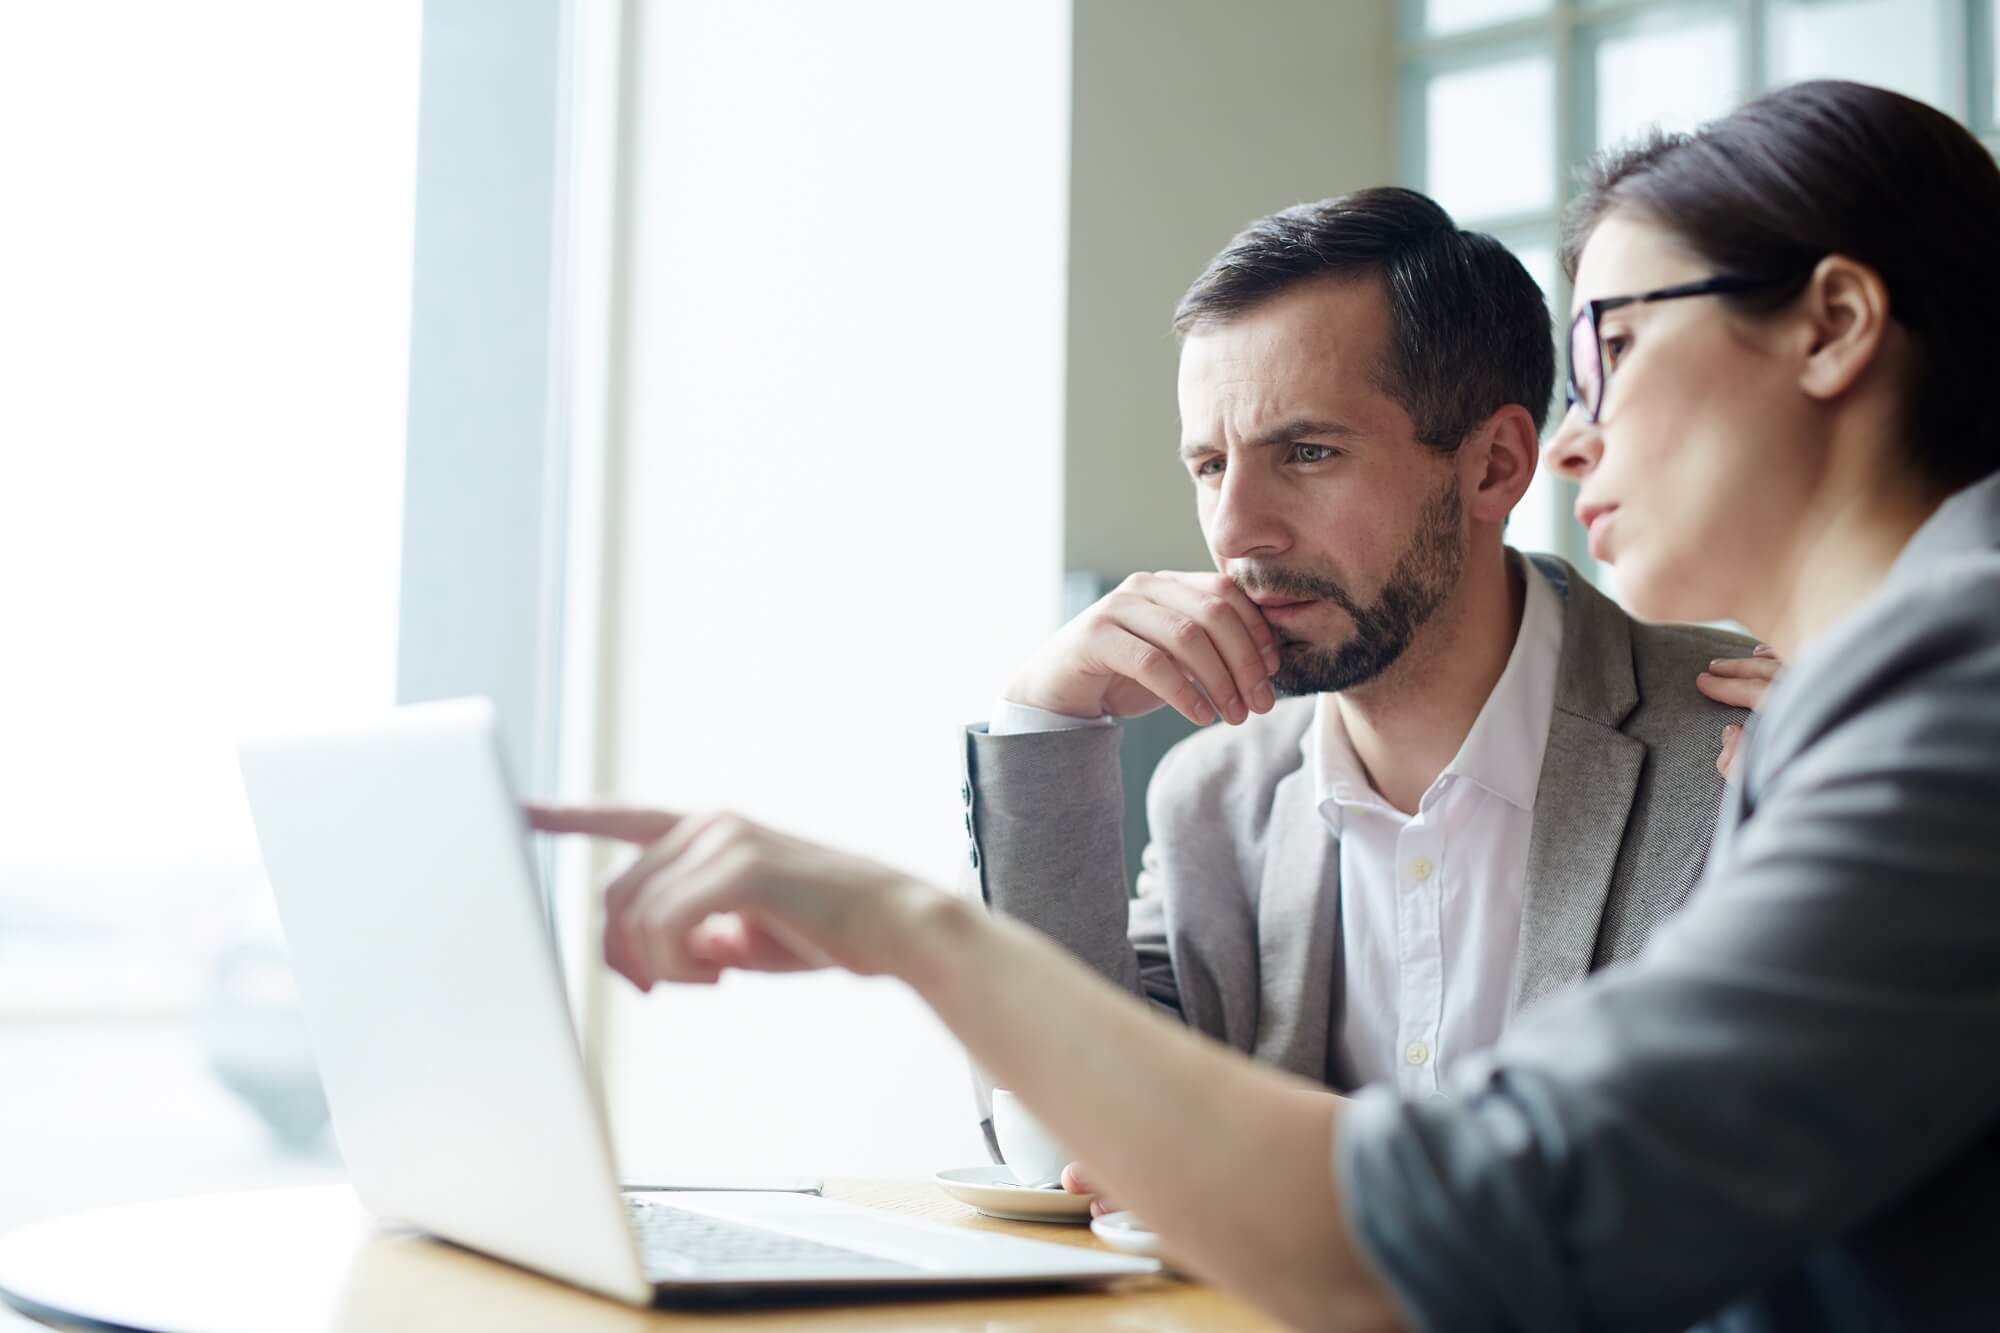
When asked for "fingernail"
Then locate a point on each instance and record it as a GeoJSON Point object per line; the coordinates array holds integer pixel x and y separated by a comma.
{"type": "Point", "coordinates": [1732, 730]}
{"type": "Point", "coordinates": [1713, 663]}
{"type": "Point", "coordinates": [1265, 699]}
{"type": "Point", "coordinates": [1272, 660]}
{"type": "Point", "coordinates": [1203, 713]}
{"type": "Point", "coordinates": [1762, 650]}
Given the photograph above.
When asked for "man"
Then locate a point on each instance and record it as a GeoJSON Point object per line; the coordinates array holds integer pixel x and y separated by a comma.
{"type": "Point", "coordinates": [1453, 779]}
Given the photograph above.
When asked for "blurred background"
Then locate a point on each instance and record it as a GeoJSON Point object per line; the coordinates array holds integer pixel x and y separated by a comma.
{"type": "Point", "coordinates": [734, 391]}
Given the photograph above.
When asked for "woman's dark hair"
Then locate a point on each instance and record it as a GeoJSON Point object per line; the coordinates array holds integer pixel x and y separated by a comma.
{"type": "Point", "coordinates": [1829, 168]}
{"type": "Point", "coordinates": [1469, 330]}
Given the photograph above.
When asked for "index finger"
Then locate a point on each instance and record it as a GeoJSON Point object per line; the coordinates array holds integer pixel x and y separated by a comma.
{"type": "Point", "coordinates": [1746, 668]}
{"type": "Point", "coordinates": [1261, 633]}
{"type": "Point", "coordinates": [622, 823]}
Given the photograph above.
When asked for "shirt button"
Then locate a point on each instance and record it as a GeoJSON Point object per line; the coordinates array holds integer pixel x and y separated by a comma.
{"type": "Point", "coordinates": [1420, 869]}
{"type": "Point", "coordinates": [1416, 1053]}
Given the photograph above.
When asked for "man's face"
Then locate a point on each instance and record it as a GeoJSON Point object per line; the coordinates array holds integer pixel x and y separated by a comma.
{"type": "Point", "coordinates": [1314, 493]}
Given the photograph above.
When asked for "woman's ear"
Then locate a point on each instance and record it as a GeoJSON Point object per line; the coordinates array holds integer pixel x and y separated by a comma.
{"type": "Point", "coordinates": [1846, 304]}
{"type": "Point", "coordinates": [1502, 465]}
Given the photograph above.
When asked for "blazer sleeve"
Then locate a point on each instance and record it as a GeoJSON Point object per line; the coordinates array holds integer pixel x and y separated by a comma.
{"type": "Point", "coordinates": [1809, 1040]}
{"type": "Point", "coordinates": [1045, 811]}
{"type": "Point", "coordinates": [1044, 818]}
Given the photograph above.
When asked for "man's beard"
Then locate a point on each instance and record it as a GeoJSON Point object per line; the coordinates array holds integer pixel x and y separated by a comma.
{"type": "Point", "coordinates": [1423, 577]}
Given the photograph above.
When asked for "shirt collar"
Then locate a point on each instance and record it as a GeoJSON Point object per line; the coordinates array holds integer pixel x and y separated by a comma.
{"type": "Point", "coordinates": [1502, 753]}
{"type": "Point", "coordinates": [1339, 782]}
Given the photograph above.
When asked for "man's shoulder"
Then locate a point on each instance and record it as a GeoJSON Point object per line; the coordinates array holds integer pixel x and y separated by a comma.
{"type": "Point", "coordinates": [1668, 657]}
{"type": "Point", "coordinates": [1664, 659]}
{"type": "Point", "coordinates": [1672, 713]}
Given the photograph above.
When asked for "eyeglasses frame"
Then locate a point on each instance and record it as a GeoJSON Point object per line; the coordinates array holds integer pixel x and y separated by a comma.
{"type": "Point", "coordinates": [1722, 284]}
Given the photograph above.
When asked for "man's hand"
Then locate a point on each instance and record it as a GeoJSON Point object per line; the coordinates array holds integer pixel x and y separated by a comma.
{"type": "Point", "coordinates": [1163, 638]}
{"type": "Point", "coordinates": [716, 891]}
{"type": "Point", "coordinates": [1740, 682]}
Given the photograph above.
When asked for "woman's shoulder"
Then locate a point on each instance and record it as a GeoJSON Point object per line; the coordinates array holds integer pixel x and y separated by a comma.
{"type": "Point", "coordinates": [1923, 654]}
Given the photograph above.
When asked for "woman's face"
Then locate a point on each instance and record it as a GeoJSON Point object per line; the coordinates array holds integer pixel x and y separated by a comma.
{"type": "Point", "coordinates": [1689, 478]}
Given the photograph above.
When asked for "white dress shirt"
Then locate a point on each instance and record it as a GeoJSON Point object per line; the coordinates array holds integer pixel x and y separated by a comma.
{"type": "Point", "coordinates": [1430, 903]}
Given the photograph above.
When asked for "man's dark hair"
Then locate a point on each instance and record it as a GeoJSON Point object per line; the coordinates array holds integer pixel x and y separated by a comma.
{"type": "Point", "coordinates": [1469, 330]}
{"type": "Point", "coordinates": [1834, 168]}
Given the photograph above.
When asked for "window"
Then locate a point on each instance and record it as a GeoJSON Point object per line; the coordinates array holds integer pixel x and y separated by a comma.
{"type": "Point", "coordinates": [1479, 164]}
{"type": "Point", "coordinates": [1671, 69]}
{"type": "Point", "coordinates": [207, 265]}
{"type": "Point", "coordinates": [1985, 48]}
{"type": "Point", "coordinates": [1503, 99]}
{"type": "Point", "coordinates": [1898, 44]}
{"type": "Point", "coordinates": [1439, 18]}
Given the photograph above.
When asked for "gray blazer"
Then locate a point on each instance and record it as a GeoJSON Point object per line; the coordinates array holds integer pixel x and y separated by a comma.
{"type": "Point", "coordinates": [1786, 1112]}
{"type": "Point", "coordinates": [1236, 927]}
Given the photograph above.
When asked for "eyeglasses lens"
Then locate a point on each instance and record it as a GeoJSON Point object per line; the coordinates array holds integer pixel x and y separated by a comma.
{"type": "Point", "coordinates": [1586, 375]}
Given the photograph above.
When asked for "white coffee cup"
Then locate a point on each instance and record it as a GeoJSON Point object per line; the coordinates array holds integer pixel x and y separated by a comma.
{"type": "Point", "coordinates": [1029, 1150]}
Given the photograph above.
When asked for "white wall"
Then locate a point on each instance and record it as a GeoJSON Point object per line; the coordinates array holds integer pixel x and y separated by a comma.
{"type": "Point", "coordinates": [1191, 118]}
{"type": "Point", "coordinates": [875, 277]}
{"type": "Point", "coordinates": [836, 517]}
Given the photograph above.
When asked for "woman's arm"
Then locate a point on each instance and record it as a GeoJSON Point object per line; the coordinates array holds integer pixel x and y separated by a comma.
{"type": "Point", "coordinates": [1230, 1162]}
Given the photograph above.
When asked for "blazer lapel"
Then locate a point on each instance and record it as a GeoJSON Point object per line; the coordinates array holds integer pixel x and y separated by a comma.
{"type": "Point", "coordinates": [1298, 914]}
{"type": "Point", "coordinates": [1590, 774]}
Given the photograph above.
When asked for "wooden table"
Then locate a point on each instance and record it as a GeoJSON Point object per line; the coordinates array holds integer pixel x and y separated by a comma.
{"type": "Point", "coordinates": [311, 1260]}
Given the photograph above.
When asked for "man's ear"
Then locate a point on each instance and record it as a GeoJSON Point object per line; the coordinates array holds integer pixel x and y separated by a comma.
{"type": "Point", "coordinates": [1846, 307]}
{"type": "Point", "coordinates": [1500, 464]}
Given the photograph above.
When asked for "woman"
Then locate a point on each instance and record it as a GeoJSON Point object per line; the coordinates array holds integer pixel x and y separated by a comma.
{"type": "Point", "coordinates": [1784, 1113]}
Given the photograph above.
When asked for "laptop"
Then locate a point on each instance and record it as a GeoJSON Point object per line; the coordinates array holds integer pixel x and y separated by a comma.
{"type": "Point", "coordinates": [434, 1000]}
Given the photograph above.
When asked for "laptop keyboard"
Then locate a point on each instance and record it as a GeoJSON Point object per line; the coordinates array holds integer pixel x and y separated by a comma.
{"type": "Point", "coordinates": [677, 1242]}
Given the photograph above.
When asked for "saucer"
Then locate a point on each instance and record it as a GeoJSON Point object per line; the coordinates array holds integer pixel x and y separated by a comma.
{"type": "Point", "coordinates": [991, 1189]}
{"type": "Point", "coordinates": [1124, 1231]}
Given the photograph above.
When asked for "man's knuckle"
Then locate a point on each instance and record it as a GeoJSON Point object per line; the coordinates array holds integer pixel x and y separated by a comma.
{"type": "Point", "coordinates": [649, 913]}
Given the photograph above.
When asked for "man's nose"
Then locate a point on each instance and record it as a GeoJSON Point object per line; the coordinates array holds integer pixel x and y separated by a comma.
{"type": "Point", "coordinates": [1576, 447]}
{"type": "Point", "coordinates": [1245, 520]}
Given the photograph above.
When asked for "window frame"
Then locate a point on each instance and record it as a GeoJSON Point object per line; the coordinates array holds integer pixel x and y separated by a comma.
{"type": "Point", "coordinates": [508, 455]}
{"type": "Point", "coordinates": [1566, 30]}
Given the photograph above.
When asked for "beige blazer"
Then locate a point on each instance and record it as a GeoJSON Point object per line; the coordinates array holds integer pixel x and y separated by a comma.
{"type": "Point", "coordinates": [1236, 926]}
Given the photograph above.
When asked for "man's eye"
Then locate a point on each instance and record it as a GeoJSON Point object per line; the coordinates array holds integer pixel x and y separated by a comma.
{"type": "Point", "coordinates": [1208, 467]}
{"type": "Point", "coordinates": [1312, 453]}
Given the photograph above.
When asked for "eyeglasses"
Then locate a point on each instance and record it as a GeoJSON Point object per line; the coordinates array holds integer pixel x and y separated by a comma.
{"type": "Point", "coordinates": [1587, 373]}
